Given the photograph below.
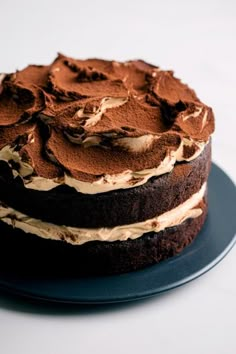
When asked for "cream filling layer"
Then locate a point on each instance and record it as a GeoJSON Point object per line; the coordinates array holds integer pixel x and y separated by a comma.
{"type": "Point", "coordinates": [106, 183]}
{"type": "Point", "coordinates": [78, 236]}
{"type": "Point", "coordinates": [2, 77]}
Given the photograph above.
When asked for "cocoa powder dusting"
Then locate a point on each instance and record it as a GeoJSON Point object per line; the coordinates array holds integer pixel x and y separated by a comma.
{"type": "Point", "coordinates": [81, 99]}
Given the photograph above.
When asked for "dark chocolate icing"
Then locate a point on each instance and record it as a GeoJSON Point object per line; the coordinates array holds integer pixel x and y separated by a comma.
{"type": "Point", "coordinates": [44, 101]}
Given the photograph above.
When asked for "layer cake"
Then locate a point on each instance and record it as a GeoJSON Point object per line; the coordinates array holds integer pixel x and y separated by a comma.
{"type": "Point", "coordinates": [103, 165]}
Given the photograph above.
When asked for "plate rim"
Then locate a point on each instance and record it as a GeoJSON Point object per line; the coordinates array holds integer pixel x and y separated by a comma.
{"type": "Point", "coordinates": [145, 293]}
{"type": "Point", "coordinates": [120, 299]}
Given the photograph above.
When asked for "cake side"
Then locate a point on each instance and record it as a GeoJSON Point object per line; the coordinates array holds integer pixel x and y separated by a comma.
{"type": "Point", "coordinates": [125, 206]}
{"type": "Point", "coordinates": [38, 256]}
{"type": "Point", "coordinates": [102, 164]}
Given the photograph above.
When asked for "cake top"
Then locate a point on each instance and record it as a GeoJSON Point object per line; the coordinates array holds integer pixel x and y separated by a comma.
{"type": "Point", "coordinates": [98, 119]}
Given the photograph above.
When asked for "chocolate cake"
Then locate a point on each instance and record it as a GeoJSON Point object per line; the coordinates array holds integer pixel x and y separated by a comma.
{"type": "Point", "coordinates": [103, 165]}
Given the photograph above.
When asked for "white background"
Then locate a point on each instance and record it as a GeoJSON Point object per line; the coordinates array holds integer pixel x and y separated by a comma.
{"type": "Point", "coordinates": [198, 40]}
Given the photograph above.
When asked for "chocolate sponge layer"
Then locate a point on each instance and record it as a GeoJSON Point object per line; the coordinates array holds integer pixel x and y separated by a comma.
{"type": "Point", "coordinates": [64, 206]}
{"type": "Point", "coordinates": [29, 254]}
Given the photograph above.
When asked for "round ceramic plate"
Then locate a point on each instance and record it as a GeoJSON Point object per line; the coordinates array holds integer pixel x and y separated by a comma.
{"type": "Point", "coordinates": [211, 245]}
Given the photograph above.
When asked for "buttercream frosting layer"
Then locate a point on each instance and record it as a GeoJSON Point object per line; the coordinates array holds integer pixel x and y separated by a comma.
{"type": "Point", "coordinates": [99, 125]}
{"type": "Point", "coordinates": [191, 208]}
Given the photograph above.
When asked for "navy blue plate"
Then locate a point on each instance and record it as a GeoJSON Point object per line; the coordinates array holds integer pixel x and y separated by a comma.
{"type": "Point", "coordinates": [212, 244]}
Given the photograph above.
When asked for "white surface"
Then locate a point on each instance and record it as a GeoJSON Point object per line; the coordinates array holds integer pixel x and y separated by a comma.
{"type": "Point", "coordinates": [197, 40]}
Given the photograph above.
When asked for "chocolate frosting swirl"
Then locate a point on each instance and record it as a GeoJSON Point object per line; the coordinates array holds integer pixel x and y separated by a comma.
{"type": "Point", "coordinates": [90, 118]}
